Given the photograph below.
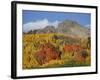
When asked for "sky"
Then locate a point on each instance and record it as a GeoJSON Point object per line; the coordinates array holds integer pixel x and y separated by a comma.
{"type": "Point", "coordinates": [32, 18]}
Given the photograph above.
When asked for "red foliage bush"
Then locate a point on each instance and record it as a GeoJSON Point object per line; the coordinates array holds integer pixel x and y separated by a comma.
{"type": "Point", "coordinates": [71, 48]}
{"type": "Point", "coordinates": [46, 53]}
{"type": "Point", "coordinates": [79, 54]}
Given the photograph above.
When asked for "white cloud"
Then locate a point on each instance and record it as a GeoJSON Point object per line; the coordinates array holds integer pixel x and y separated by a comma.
{"type": "Point", "coordinates": [38, 25]}
{"type": "Point", "coordinates": [88, 26]}
{"type": "Point", "coordinates": [54, 23]}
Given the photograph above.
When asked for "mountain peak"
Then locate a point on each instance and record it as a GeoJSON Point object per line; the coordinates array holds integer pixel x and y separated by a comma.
{"type": "Point", "coordinates": [72, 28]}
{"type": "Point", "coordinates": [67, 27]}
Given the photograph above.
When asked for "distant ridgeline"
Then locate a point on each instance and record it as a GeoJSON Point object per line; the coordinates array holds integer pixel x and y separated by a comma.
{"type": "Point", "coordinates": [65, 27]}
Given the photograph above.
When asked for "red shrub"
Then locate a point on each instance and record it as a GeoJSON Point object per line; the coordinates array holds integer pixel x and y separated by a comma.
{"type": "Point", "coordinates": [46, 53]}
{"type": "Point", "coordinates": [71, 48]}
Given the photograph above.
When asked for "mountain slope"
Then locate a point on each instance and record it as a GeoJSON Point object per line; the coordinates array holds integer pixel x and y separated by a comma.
{"type": "Point", "coordinates": [65, 27]}
{"type": "Point", "coordinates": [72, 28]}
